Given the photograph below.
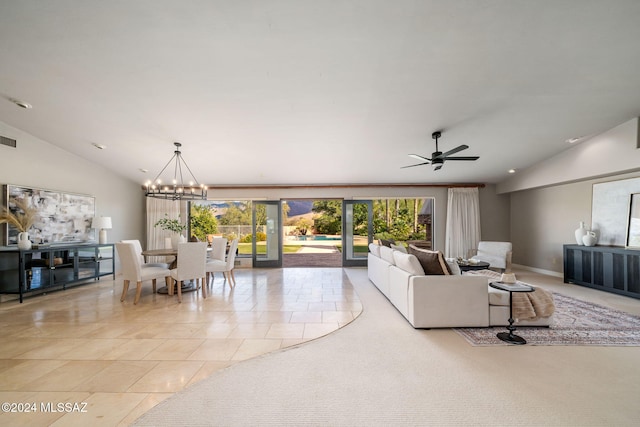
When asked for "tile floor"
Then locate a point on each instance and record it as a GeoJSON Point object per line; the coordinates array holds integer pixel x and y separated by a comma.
{"type": "Point", "coordinates": [83, 345]}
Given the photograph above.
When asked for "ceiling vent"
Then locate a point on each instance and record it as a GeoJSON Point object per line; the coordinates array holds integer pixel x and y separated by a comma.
{"type": "Point", "coordinates": [7, 141]}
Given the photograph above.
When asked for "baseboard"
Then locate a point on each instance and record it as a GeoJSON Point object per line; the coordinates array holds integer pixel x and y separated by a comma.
{"type": "Point", "coordinates": [538, 270]}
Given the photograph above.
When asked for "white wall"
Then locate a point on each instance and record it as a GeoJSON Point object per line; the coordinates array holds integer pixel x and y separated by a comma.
{"type": "Point", "coordinates": [549, 200]}
{"type": "Point", "coordinates": [39, 164]}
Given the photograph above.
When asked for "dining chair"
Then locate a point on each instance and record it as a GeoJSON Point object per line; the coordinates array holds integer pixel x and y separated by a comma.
{"type": "Point", "coordinates": [143, 262]}
{"type": "Point", "coordinates": [226, 267]}
{"type": "Point", "coordinates": [218, 248]}
{"type": "Point", "coordinates": [133, 271]}
{"type": "Point", "coordinates": [192, 257]}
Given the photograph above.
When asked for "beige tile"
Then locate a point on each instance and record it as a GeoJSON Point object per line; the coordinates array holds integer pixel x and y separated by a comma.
{"type": "Point", "coordinates": [117, 377]}
{"type": "Point", "coordinates": [285, 330]}
{"type": "Point", "coordinates": [306, 317]}
{"type": "Point", "coordinates": [132, 349]}
{"type": "Point", "coordinates": [66, 377]}
{"type": "Point", "coordinates": [336, 316]}
{"type": "Point", "coordinates": [103, 409]}
{"type": "Point", "coordinates": [315, 330]}
{"type": "Point", "coordinates": [216, 349]}
{"type": "Point", "coordinates": [322, 306]}
{"type": "Point", "coordinates": [150, 400]}
{"type": "Point", "coordinates": [255, 347]}
{"type": "Point", "coordinates": [250, 330]}
{"type": "Point", "coordinates": [174, 349]}
{"type": "Point", "coordinates": [167, 376]}
{"type": "Point", "coordinates": [26, 371]}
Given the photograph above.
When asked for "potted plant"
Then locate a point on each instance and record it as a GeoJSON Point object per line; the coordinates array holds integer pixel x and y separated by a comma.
{"type": "Point", "coordinates": [175, 227]}
{"type": "Point", "coordinates": [20, 220]}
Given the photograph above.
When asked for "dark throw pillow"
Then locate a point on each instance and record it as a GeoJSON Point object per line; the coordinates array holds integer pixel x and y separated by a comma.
{"type": "Point", "coordinates": [432, 262]}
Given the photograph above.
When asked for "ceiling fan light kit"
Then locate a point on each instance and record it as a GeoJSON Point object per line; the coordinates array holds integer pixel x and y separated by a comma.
{"type": "Point", "coordinates": [438, 158]}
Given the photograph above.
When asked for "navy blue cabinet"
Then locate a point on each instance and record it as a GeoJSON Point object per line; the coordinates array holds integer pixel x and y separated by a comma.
{"type": "Point", "coordinates": [49, 267]}
{"type": "Point", "coordinates": [608, 268]}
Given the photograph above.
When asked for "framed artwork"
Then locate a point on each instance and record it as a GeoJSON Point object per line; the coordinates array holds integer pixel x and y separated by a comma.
{"type": "Point", "coordinates": [62, 217]}
{"type": "Point", "coordinates": [633, 225]}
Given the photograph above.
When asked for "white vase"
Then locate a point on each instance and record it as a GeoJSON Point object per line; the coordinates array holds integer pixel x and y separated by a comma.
{"type": "Point", "coordinates": [177, 238]}
{"type": "Point", "coordinates": [23, 241]}
{"type": "Point", "coordinates": [580, 233]}
{"type": "Point", "coordinates": [590, 239]}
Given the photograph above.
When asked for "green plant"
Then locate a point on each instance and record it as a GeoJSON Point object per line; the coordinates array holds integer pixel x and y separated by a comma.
{"type": "Point", "coordinates": [203, 222]}
{"type": "Point", "coordinates": [173, 225]}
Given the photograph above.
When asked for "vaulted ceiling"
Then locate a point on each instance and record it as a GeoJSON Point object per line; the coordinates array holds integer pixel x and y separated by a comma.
{"type": "Point", "coordinates": [318, 92]}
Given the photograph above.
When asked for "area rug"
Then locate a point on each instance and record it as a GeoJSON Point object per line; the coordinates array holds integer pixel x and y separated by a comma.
{"type": "Point", "coordinates": [575, 322]}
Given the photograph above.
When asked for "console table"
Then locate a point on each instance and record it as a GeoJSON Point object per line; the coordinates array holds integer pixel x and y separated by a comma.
{"type": "Point", "coordinates": [608, 268]}
{"type": "Point", "coordinates": [53, 266]}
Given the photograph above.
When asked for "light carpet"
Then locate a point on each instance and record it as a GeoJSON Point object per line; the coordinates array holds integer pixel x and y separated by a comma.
{"type": "Point", "coordinates": [575, 322]}
{"type": "Point", "coordinates": [379, 371]}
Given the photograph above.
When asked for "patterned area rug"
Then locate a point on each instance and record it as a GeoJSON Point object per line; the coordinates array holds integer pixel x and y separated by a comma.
{"type": "Point", "coordinates": [575, 322]}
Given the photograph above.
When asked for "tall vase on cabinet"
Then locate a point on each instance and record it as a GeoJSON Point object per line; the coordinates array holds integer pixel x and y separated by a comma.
{"type": "Point", "coordinates": [23, 241]}
{"type": "Point", "coordinates": [581, 231]}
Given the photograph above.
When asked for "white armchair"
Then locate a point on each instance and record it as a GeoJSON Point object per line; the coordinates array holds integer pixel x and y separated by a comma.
{"type": "Point", "coordinates": [498, 254]}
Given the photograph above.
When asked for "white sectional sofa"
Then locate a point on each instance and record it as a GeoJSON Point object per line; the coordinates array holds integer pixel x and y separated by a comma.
{"type": "Point", "coordinates": [438, 301]}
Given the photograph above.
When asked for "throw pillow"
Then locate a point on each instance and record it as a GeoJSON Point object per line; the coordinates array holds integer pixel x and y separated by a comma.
{"type": "Point", "coordinates": [431, 261]}
{"type": "Point", "coordinates": [374, 249]}
{"type": "Point", "coordinates": [408, 263]}
{"type": "Point", "coordinates": [454, 268]}
{"type": "Point", "coordinates": [400, 248]}
{"type": "Point", "coordinates": [387, 254]}
{"type": "Point", "coordinates": [386, 242]}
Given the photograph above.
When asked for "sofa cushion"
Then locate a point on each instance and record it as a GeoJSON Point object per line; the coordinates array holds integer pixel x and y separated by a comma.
{"type": "Point", "coordinates": [387, 254]}
{"type": "Point", "coordinates": [432, 261]}
{"type": "Point", "coordinates": [408, 263]}
{"type": "Point", "coordinates": [400, 248]}
{"type": "Point", "coordinates": [374, 249]}
{"type": "Point", "coordinates": [454, 268]}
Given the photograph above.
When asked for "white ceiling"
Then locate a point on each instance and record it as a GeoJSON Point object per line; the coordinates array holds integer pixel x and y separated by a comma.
{"type": "Point", "coordinates": [326, 92]}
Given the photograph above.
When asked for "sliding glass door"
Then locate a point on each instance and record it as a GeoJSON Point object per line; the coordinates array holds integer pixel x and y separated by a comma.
{"type": "Point", "coordinates": [267, 234]}
{"type": "Point", "coordinates": [357, 232]}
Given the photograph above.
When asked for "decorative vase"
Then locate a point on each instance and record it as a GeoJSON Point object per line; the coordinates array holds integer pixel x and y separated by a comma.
{"type": "Point", "coordinates": [23, 241]}
{"type": "Point", "coordinates": [580, 233]}
{"type": "Point", "coordinates": [177, 238]}
{"type": "Point", "coordinates": [590, 239]}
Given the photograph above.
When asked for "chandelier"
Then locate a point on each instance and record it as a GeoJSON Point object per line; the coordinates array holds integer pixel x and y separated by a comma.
{"type": "Point", "coordinates": [175, 188]}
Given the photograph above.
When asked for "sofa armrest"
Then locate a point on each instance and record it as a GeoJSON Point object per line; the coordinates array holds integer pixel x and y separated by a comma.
{"type": "Point", "coordinates": [448, 301]}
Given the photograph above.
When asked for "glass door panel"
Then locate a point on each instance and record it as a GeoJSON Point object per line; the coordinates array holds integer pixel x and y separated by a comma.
{"type": "Point", "coordinates": [357, 232]}
{"type": "Point", "coordinates": [267, 234]}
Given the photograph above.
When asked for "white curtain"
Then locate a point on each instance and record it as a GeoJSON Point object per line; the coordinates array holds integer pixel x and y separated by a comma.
{"type": "Point", "coordinates": [463, 222]}
{"type": "Point", "coordinates": [156, 210]}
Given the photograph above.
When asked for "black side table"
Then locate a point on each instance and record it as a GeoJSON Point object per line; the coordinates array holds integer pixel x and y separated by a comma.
{"type": "Point", "coordinates": [480, 265]}
{"type": "Point", "coordinates": [510, 337]}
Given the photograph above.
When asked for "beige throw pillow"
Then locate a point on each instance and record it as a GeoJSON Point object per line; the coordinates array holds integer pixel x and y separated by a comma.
{"type": "Point", "coordinates": [432, 262]}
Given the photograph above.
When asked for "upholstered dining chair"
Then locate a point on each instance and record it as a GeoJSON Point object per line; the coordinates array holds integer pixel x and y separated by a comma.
{"type": "Point", "coordinates": [218, 248]}
{"type": "Point", "coordinates": [133, 271]}
{"type": "Point", "coordinates": [192, 257]}
{"type": "Point", "coordinates": [226, 267]}
{"type": "Point", "coordinates": [143, 262]}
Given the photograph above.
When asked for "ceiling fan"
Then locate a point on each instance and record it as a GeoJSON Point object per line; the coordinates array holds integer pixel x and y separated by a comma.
{"type": "Point", "coordinates": [438, 158]}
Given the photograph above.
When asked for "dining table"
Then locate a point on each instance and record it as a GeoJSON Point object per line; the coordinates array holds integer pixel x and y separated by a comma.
{"type": "Point", "coordinates": [187, 286]}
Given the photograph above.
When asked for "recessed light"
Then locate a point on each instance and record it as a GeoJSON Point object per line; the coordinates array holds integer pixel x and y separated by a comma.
{"type": "Point", "coordinates": [21, 104]}
{"type": "Point", "coordinates": [143, 170]}
{"type": "Point", "coordinates": [99, 146]}
{"type": "Point", "coordinates": [574, 140]}
{"type": "Point", "coordinates": [511, 171]}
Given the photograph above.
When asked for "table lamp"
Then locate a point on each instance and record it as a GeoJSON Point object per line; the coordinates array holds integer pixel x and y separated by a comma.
{"type": "Point", "coordinates": [102, 223]}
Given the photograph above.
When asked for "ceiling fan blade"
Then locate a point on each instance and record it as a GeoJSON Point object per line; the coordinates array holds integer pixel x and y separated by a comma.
{"type": "Point", "coordinates": [462, 158]}
{"type": "Point", "coordinates": [437, 168]}
{"type": "Point", "coordinates": [419, 157]}
{"type": "Point", "coordinates": [411, 166]}
{"type": "Point", "coordinates": [454, 151]}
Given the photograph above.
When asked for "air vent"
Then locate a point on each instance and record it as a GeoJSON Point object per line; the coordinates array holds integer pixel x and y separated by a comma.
{"type": "Point", "coordinates": [7, 141]}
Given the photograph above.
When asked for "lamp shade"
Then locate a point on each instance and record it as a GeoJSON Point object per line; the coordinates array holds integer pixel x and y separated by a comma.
{"type": "Point", "coordinates": [101, 222]}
